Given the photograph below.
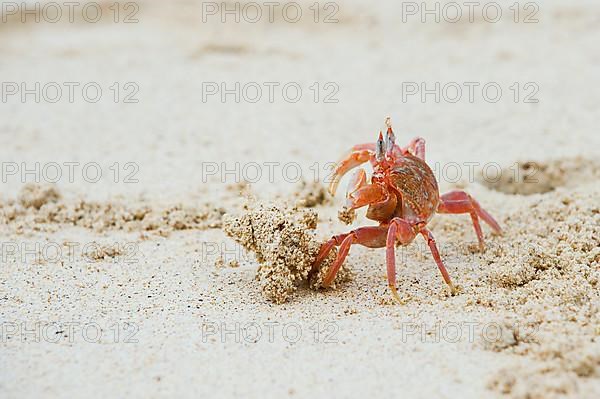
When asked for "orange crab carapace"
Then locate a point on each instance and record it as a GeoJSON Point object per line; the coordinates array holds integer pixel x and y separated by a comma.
{"type": "Point", "coordinates": [402, 196]}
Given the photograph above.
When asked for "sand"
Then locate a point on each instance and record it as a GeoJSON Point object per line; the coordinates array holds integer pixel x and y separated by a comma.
{"type": "Point", "coordinates": [129, 285]}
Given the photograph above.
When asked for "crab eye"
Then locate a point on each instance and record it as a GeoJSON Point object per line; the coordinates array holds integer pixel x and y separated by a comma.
{"type": "Point", "coordinates": [390, 138]}
{"type": "Point", "coordinates": [390, 141]}
{"type": "Point", "coordinates": [380, 148]}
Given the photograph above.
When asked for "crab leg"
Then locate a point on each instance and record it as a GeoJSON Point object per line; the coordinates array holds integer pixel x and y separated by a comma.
{"type": "Point", "coordinates": [457, 202]}
{"type": "Point", "coordinates": [367, 194]}
{"type": "Point", "coordinates": [416, 147]}
{"type": "Point", "coordinates": [341, 256]}
{"type": "Point", "coordinates": [436, 256]}
{"type": "Point", "coordinates": [399, 230]}
{"type": "Point", "coordinates": [372, 237]}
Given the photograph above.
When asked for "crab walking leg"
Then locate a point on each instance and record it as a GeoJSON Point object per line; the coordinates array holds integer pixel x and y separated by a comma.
{"type": "Point", "coordinates": [325, 249]}
{"type": "Point", "coordinates": [416, 147]}
{"type": "Point", "coordinates": [436, 256]}
{"type": "Point", "coordinates": [352, 160]}
{"type": "Point", "coordinates": [341, 256]}
{"type": "Point", "coordinates": [457, 202]}
{"type": "Point", "coordinates": [372, 237]}
{"type": "Point", "coordinates": [399, 230]}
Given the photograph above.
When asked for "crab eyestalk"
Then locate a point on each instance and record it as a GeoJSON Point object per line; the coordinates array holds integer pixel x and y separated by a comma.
{"type": "Point", "coordinates": [380, 148]}
{"type": "Point", "coordinates": [390, 139]}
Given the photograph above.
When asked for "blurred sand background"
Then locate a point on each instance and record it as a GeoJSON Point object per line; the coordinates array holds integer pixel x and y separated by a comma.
{"type": "Point", "coordinates": [175, 289]}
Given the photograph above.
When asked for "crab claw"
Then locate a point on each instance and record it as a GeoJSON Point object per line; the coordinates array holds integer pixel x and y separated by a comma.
{"type": "Point", "coordinates": [358, 179]}
{"type": "Point", "coordinates": [351, 161]}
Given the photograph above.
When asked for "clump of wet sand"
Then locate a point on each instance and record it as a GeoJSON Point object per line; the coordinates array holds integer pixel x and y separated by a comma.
{"type": "Point", "coordinates": [346, 216]}
{"type": "Point", "coordinates": [284, 242]}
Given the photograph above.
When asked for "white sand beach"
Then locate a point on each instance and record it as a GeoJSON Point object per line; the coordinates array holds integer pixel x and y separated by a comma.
{"type": "Point", "coordinates": [125, 140]}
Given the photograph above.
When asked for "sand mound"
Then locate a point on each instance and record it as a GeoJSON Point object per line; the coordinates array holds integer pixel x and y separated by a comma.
{"type": "Point", "coordinates": [36, 195]}
{"type": "Point", "coordinates": [42, 208]}
{"type": "Point", "coordinates": [532, 177]}
{"type": "Point", "coordinates": [284, 243]}
{"type": "Point", "coordinates": [545, 278]}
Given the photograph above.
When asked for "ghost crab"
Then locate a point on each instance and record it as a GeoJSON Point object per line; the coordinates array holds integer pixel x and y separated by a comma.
{"type": "Point", "coordinates": [403, 196]}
